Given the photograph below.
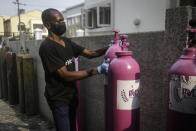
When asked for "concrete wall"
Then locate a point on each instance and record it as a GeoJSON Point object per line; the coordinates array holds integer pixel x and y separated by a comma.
{"type": "Point", "coordinates": [154, 51]}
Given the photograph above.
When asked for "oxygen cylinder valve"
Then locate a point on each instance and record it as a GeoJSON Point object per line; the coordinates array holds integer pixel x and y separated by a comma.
{"type": "Point", "coordinates": [114, 46]}
{"type": "Point", "coordinates": [116, 39]}
{"type": "Point", "coordinates": [192, 33]}
{"type": "Point", "coordinates": [125, 44]}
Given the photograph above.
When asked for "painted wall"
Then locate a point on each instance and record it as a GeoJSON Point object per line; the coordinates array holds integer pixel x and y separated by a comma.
{"type": "Point", "coordinates": [72, 11]}
{"type": "Point", "coordinates": [151, 14]}
{"type": "Point", "coordinates": [2, 18]}
{"type": "Point", "coordinates": [71, 14]}
{"type": "Point", "coordinates": [1, 26]}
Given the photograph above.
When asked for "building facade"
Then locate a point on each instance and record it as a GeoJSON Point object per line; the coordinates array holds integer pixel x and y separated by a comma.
{"type": "Point", "coordinates": [73, 20]}
{"type": "Point", "coordinates": [102, 17]}
{"type": "Point", "coordinates": [129, 16]}
{"type": "Point", "coordinates": [29, 22]}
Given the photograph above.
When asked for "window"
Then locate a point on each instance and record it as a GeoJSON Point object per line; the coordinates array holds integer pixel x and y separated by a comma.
{"type": "Point", "coordinates": [97, 17]}
{"type": "Point", "coordinates": [77, 20]}
{"type": "Point", "coordinates": [21, 26]}
{"type": "Point", "coordinates": [73, 21]}
{"type": "Point", "coordinates": [7, 29]}
{"type": "Point", "coordinates": [69, 21]}
{"type": "Point", "coordinates": [91, 18]}
{"type": "Point", "coordinates": [40, 26]}
{"type": "Point", "coordinates": [104, 16]}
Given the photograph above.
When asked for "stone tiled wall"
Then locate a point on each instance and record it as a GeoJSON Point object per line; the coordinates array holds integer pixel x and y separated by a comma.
{"type": "Point", "coordinates": [154, 51]}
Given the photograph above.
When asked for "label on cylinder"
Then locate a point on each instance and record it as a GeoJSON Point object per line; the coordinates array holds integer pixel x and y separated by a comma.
{"type": "Point", "coordinates": [182, 94]}
{"type": "Point", "coordinates": [128, 92]}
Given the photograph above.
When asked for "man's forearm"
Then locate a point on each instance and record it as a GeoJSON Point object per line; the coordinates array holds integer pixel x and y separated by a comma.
{"type": "Point", "coordinates": [82, 74]}
{"type": "Point", "coordinates": [102, 51]}
{"type": "Point", "coordinates": [95, 53]}
{"type": "Point", "coordinates": [71, 76]}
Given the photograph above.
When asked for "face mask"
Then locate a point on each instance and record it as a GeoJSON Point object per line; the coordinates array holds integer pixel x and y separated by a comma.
{"type": "Point", "coordinates": [58, 29]}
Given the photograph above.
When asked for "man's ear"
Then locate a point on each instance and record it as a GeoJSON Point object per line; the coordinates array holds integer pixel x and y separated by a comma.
{"type": "Point", "coordinates": [48, 25]}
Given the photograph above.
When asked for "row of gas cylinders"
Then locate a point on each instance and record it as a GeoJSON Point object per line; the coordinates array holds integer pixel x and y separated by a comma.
{"type": "Point", "coordinates": [122, 88]}
{"type": "Point", "coordinates": [17, 80]}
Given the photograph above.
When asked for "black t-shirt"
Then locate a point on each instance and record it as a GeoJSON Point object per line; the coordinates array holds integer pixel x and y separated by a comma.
{"type": "Point", "coordinates": [59, 92]}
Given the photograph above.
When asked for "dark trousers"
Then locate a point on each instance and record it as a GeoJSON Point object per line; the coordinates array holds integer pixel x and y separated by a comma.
{"type": "Point", "coordinates": [65, 118]}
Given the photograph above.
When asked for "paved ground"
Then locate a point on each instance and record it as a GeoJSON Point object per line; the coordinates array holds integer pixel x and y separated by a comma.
{"type": "Point", "coordinates": [12, 120]}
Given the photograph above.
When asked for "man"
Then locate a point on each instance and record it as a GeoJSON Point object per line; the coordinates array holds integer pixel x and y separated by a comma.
{"type": "Point", "coordinates": [57, 55]}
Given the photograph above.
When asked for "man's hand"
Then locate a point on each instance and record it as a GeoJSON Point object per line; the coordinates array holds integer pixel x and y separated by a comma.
{"type": "Point", "coordinates": [103, 68]}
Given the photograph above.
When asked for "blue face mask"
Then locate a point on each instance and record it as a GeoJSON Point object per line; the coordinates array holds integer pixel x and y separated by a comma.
{"type": "Point", "coordinates": [59, 28]}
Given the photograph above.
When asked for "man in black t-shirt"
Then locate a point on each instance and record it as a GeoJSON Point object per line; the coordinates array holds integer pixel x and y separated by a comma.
{"type": "Point", "coordinates": [57, 54]}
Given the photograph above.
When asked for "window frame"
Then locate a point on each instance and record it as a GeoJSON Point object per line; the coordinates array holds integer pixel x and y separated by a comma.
{"type": "Point", "coordinates": [95, 18]}
{"type": "Point", "coordinates": [21, 26]}
{"type": "Point", "coordinates": [98, 16]}
{"type": "Point", "coordinates": [86, 18]}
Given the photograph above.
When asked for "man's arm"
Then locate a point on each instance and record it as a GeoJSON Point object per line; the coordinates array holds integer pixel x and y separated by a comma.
{"type": "Point", "coordinates": [94, 53]}
{"type": "Point", "coordinates": [71, 76]}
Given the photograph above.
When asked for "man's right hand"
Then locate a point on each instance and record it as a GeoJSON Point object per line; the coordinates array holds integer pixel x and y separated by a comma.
{"type": "Point", "coordinates": [103, 68]}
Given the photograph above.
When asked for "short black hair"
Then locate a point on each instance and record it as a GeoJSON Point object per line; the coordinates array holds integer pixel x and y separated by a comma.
{"type": "Point", "coordinates": [46, 15]}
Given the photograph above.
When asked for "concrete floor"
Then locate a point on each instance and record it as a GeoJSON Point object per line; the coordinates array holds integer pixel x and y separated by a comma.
{"type": "Point", "coordinates": [12, 120]}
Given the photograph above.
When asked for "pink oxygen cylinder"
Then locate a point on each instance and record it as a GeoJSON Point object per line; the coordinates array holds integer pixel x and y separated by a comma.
{"type": "Point", "coordinates": [124, 86]}
{"type": "Point", "coordinates": [110, 54]}
{"type": "Point", "coordinates": [181, 113]}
